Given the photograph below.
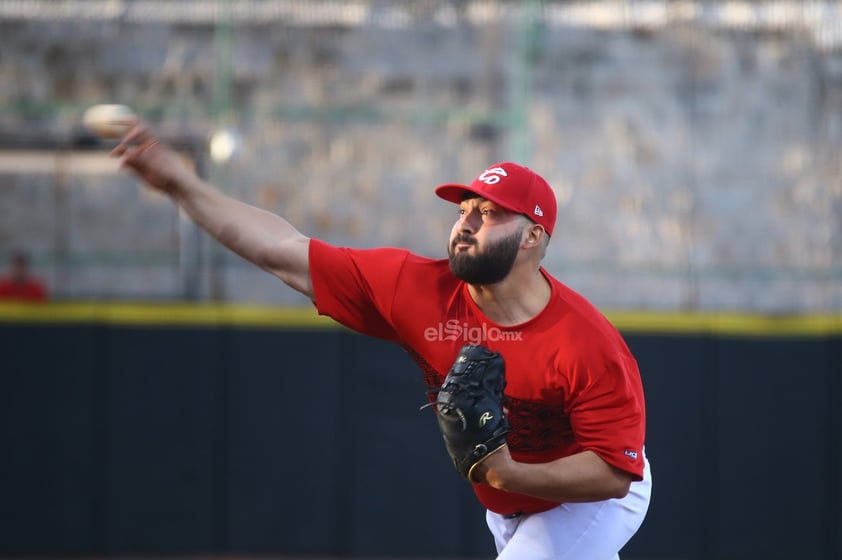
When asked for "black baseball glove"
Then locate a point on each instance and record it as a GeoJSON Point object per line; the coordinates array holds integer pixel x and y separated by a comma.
{"type": "Point", "coordinates": [470, 407]}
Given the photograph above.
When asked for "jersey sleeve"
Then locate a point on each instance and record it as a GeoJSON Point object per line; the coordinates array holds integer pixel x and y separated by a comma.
{"type": "Point", "coordinates": [608, 414]}
{"type": "Point", "coordinates": [356, 287]}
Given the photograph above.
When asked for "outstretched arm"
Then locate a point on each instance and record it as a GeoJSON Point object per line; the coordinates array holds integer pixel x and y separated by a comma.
{"type": "Point", "coordinates": [258, 236]}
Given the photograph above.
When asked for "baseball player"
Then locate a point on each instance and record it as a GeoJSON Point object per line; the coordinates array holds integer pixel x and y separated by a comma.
{"type": "Point", "coordinates": [564, 474]}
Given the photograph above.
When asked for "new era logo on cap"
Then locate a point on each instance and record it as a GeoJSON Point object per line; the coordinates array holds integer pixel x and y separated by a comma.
{"type": "Point", "coordinates": [512, 186]}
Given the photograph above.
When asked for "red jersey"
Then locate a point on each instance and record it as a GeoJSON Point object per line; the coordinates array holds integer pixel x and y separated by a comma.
{"type": "Point", "coordinates": [571, 381]}
{"type": "Point", "coordinates": [30, 290]}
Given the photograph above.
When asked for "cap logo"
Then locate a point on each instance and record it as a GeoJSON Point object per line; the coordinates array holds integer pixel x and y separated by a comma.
{"type": "Point", "coordinates": [492, 176]}
{"type": "Point", "coordinates": [538, 211]}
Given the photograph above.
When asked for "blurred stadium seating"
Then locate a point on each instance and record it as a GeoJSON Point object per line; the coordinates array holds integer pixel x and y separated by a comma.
{"type": "Point", "coordinates": [694, 146]}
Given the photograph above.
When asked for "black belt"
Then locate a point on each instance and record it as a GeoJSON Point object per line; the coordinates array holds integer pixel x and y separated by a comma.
{"type": "Point", "coordinates": [514, 515]}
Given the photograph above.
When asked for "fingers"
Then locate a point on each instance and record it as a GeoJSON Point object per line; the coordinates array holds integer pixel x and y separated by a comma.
{"type": "Point", "coordinates": [138, 139]}
{"type": "Point", "coordinates": [143, 153]}
{"type": "Point", "coordinates": [136, 150]}
{"type": "Point", "coordinates": [136, 143]}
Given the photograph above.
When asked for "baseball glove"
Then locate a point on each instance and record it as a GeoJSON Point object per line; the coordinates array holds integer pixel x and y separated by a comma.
{"type": "Point", "coordinates": [470, 408]}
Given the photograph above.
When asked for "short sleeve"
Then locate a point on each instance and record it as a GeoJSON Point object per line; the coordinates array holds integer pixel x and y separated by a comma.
{"type": "Point", "coordinates": [356, 287]}
{"type": "Point", "coordinates": [607, 412]}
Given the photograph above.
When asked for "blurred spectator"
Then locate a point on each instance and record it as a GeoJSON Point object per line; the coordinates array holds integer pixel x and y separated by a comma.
{"type": "Point", "coordinates": [19, 284]}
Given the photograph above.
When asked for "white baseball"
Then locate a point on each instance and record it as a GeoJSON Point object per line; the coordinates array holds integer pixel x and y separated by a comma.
{"type": "Point", "coordinates": [109, 121]}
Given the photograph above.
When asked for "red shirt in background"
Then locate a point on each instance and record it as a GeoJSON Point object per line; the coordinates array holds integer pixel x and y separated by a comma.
{"type": "Point", "coordinates": [26, 290]}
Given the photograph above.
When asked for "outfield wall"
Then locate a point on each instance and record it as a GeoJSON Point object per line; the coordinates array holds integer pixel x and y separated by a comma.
{"type": "Point", "coordinates": [165, 430]}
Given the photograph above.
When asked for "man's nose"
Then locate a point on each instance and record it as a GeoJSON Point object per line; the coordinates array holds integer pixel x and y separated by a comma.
{"type": "Point", "coordinates": [469, 221]}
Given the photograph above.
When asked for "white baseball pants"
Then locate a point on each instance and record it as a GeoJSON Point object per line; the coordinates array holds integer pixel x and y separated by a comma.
{"type": "Point", "coordinates": [585, 531]}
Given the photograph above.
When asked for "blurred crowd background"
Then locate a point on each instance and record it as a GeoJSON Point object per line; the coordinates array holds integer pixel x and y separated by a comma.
{"type": "Point", "coordinates": [694, 146]}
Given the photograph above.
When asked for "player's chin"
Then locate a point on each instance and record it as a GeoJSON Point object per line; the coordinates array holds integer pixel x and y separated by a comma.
{"type": "Point", "coordinates": [460, 257]}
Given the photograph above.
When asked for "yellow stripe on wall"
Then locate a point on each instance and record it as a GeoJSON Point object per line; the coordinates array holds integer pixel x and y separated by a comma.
{"type": "Point", "coordinates": [164, 314]}
{"type": "Point", "coordinates": [210, 315]}
{"type": "Point", "coordinates": [740, 324]}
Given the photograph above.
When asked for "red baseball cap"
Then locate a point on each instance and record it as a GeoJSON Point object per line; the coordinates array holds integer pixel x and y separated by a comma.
{"type": "Point", "coordinates": [512, 186]}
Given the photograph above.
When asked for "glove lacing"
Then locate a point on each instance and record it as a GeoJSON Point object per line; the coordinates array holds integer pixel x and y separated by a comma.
{"type": "Point", "coordinates": [451, 388]}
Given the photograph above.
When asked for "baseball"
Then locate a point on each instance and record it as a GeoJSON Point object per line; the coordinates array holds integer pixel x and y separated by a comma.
{"type": "Point", "coordinates": [109, 121]}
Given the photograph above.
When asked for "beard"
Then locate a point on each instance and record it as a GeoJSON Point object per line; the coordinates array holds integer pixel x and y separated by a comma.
{"type": "Point", "coordinates": [488, 266]}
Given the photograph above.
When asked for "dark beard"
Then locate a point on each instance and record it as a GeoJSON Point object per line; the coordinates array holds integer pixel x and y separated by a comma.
{"type": "Point", "coordinates": [488, 266]}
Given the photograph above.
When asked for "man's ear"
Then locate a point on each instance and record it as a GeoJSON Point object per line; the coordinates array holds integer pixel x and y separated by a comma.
{"type": "Point", "coordinates": [534, 235]}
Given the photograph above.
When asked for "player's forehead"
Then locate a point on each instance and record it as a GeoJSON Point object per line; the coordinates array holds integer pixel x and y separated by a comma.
{"type": "Point", "coordinates": [471, 200]}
